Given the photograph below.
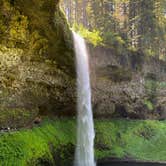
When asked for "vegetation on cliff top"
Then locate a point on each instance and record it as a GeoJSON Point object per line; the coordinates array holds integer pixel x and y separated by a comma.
{"type": "Point", "coordinates": [136, 24]}
{"type": "Point", "coordinates": [52, 143]}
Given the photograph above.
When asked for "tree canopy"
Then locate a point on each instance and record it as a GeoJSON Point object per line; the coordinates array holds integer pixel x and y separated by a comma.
{"type": "Point", "coordinates": [140, 24]}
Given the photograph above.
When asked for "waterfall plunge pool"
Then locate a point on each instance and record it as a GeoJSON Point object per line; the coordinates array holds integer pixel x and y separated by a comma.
{"type": "Point", "coordinates": [129, 163]}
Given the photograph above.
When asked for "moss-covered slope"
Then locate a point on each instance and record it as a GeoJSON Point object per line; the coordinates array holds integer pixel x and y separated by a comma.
{"type": "Point", "coordinates": [36, 61]}
{"type": "Point", "coordinates": [53, 142]}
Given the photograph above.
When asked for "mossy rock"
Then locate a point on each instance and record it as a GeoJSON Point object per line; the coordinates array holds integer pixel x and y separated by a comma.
{"type": "Point", "coordinates": [36, 60]}
{"type": "Point", "coordinates": [116, 73]}
{"type": "Point", "coordinates": [149, 105]}
{"type": "Point", "coordinates": [16, 117]}
{"type": "Point", "coordinates": [151, 76]}
{"type": "Point", "coordinates": [40, 29]}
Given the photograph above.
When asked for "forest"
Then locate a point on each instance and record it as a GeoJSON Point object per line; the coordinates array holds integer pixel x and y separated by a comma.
{"type": "Point", "coordinates": [135, 24]}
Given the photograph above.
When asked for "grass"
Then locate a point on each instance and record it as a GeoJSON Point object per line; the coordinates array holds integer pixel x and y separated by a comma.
{"type": "Point", "coordinates": [141, 140]}
{"type": "Point", "coordinates": [28, 147]}
{"type": "Point", "coordinates": [52, 143]}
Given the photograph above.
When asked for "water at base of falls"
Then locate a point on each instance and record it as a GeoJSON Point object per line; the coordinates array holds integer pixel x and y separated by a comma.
{"type": "Point", "coordinates": [84, 153]}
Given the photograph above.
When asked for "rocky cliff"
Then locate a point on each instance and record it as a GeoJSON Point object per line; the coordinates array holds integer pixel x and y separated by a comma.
{"type": "Point", "coordinates": [128, 85]}
{"type": "Point", "coordinates": [36, 61]}
{"type": "Point", "coordinates": [37, 73]}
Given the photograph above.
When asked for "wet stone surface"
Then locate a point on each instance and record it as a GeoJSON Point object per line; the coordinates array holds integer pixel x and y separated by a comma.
{"type": "Point", "coordinates": [116, 163]}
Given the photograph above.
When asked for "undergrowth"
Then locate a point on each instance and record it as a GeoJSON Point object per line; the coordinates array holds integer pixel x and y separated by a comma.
{"type": "Point", "coordinates": [53, 142]}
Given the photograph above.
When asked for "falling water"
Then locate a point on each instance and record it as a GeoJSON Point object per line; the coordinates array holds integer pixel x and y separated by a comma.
{"type": "Point", "coordinates": [84, 155]}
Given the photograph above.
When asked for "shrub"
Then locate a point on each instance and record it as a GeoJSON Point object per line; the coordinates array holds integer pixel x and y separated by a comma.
{"type": "Point", "coordinates": [91, 36]}
{"type": "Point", "coordinates": [149, 105]}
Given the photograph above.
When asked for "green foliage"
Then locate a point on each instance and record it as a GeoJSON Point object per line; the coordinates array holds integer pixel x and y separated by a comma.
{"type": "Point", "coordinates": [55, 139]}
{"type": "Point", "coordinates": [149, 52]}
{"type": "Point", "coordinates": [113, 39]}
{"type": "Point", "coordinates": [107, 39]}
{"type": "Point", "coordinates": [149, 105]}
{"type": "Point", "coordinates": [151, 87]}
{"type": "Point", "coordinates": [27, 147]}
{"type": "Point", "coordinates": [115, 73]}
{"type": "Point", "coordinates": [40, 29]}
{"type": "Point", "coordinates": [38, 44]}
{"type": "Point", "coordinates": [161, 84]}
{"type": "Point", "coordinates": [18, 28]}
{"type": "Point", "coordinates": [15, 117]}
{"type": "Point", "coordinates": [139, 24]}
{"type": "Point", "coordinates": [2, 25]}
{"type": "Point", "coordinates": [142, 140]}
{"type": "Point", "coordinates": [93, 37]}
{"type": "Point", "coordinates": [13, 26]}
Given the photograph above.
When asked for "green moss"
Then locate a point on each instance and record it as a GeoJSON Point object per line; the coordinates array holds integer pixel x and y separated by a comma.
{"type": "Point", "coordinates": [116, 73]}
{"type": "Point", "coordinates": [161, 84]}
{"type": "Point", "coordinates": [40, 29]}
{"type": "Point", "coordinates": [140, 140]}
{"type": "Point", "coordinates": [39, 44]}
{"type": "Point", "coordinates": [93, 37]}
{"type": "Point", "coordinates": [31, 147]}
{"type": "Point", "coordinates": [16, 117]}
{"type": "Point", "coordinates": [53, 142]}
{"type": "Point", "coordinates": [34, 36]}
{"type": "Point", "coordinates": [149, 105]}
{"type": "Point", "coordinates": [151, 87]}
{"type": "Point", "coordinates": [18, 28]}
{"type": "Point", "coordinates": [121, 74]}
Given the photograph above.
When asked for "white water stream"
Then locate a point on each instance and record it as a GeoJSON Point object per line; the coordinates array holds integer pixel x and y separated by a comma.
{"type": "Point", "coordinates": [84, 153]}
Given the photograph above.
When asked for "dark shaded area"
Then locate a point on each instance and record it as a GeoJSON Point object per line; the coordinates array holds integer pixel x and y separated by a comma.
{"type": "Point", "coordinates": [126, 163]}
{"type": "Point", "coordinates": [12, 2]}
{"type": "Point", "coordinates": [63, 155]}
{"type": "Point", "coordinates": [116, 73]}
{"type": "Point", "coordinates": [120, 111]}
{"type": "Point", "coordinates": [137, 58]}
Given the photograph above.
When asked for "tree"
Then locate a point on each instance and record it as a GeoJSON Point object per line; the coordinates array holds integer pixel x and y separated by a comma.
{"type": "Point", "coordinates": [140, 23]}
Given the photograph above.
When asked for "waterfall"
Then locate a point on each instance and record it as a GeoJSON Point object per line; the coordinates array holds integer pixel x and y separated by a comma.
{"type": "Point", "coordinates": [84, 153]}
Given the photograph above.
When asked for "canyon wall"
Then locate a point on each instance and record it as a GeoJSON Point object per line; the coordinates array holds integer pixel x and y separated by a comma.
{"type": "Point", "coordinates": [129, 85]}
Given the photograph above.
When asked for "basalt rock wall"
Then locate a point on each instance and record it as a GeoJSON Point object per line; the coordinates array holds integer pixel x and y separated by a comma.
{"type": "Point", "coordinates": [37, 73]}
{"type": "Point", "coordinates": [127, 86]}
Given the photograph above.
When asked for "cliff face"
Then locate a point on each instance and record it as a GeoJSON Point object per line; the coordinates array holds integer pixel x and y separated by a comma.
{"type": "Point", "coordinates": [36, 61]}
{"type": "Point", "coordinates": [37, 73]}
{"type": "Point", "coordinates": [128, 86]}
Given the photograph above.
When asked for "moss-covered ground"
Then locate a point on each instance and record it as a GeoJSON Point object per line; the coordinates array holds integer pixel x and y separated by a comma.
{"type": "Point", "coordinates": [141, 140]}
{"type": "Point", "coordinates": [52, 142]}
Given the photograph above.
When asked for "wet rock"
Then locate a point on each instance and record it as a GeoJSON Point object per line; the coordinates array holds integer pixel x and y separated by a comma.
{"type": "Point", "coordinates": [124, 91]}
{"type": "Point", "coordinates": [37, 120]}
{"type": "Point", "coordinates": [36, 62]}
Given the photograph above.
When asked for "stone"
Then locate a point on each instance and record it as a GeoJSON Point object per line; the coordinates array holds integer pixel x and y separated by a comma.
{"type": "Point", "coordinates": [121, 91]}
{"type": "Point", "coordinates": [37, 71]}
